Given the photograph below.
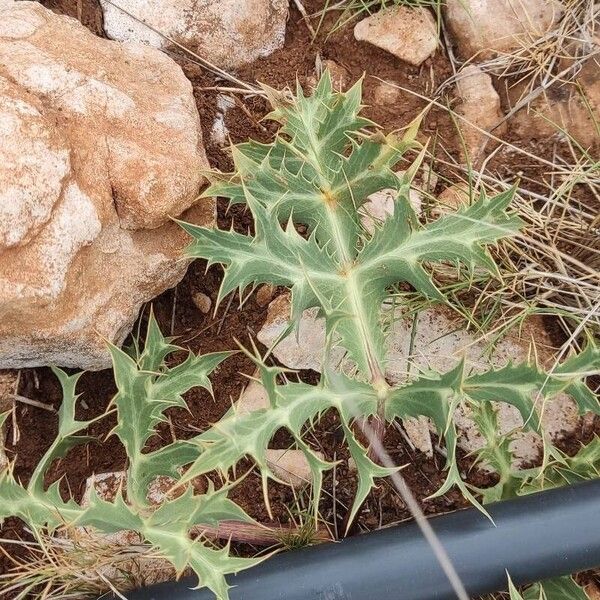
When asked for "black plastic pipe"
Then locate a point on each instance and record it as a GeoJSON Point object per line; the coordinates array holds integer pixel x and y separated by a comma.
{"type": "Point", "coordinates": [536, 537]}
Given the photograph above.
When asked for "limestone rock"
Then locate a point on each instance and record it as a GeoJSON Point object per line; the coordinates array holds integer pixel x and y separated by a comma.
{"type": "Point", "coordinates": [408, 33]}
{"type": "Point", "coordinates": [572, 110]}
{"type": "Point", "coordinates": [440, 341]}
{"type": "Point", "coordinates": [386, 93]}
{"type": "Point", "coordinates": [487, 27]}
{"type": "Point", "coordinates": [481, 109]}
{"type": "Point", "coordinates": [301, 351]}
{"type": "Point", "coordinates": [380, 205]}
{"type": "Point", "coordinates": [451, 199]}
{"type": "Point", "coordinates": [290, 466]}
{"type": "Point", "coordinates": [340, 77]}
{"type": "Point", "coordinates": [227, 33]}
{"type": "Point", "coordinates": [100, 143]}
{"type": "Point", "coordinates": [133, 565]}
{"type": "Point", "coordinates": [254, 397]}
{"type": "Point", "coordinates": [202, 301]}
{"type": "Point", "coordinates": [264, 294]}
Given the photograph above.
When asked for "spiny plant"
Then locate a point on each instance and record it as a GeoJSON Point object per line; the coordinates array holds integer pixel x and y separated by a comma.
{"type": "Point", "coordinates": [561, 469]}
{"type": "Point", "coordinates": [318, 172]}
{"type": "Point", "coordinates": [147, 387]}
{"type": "Point", "coordinates": [560, 588]}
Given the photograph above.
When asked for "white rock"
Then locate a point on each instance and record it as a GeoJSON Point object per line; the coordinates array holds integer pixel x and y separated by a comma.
{"type": "Point", "coordinates": [219, 132]}
{"type": "Point", "coordinates": [227, 33]}
{"type": "Point", "coordinates": [254, 397]}
{"type": "Point", "coordinates": [264, 294]}
{"type": "Point", "coordinates": [486, 27]}
{"type": "Point", "coordinates": [301, 351]}
{"type": "Point", "coordinates": [440, 341]}
{"type": "Point", "coordinates": [138, 566]}
{"type": "Point", "coordinates": [565, 112]}
{"type": "Point", "coordinates": [408, 33]}
{"type": "Point", "coordinates": [380, 205]}
{"type": "Point", "coordinates": [452, 199]}
{"type": "Point", "coordinates": [290, 466]}
{"type": "Point", "coordinates": [100, 144]}
{"type": "Point", "coordinates": [481, 109]}
{"type": "Point", "coordinates": [386, 93]}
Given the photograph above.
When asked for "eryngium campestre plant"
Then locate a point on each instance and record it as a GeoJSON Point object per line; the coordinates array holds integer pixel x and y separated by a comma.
{"type": "Point", "coordinates": [318, 172]}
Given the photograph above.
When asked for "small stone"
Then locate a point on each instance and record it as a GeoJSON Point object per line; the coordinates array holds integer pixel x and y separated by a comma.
{"type": "Point", "coordinates": [417, 430]}
{"type": "Point", "coordinates": [254, 397]}
{"type": "Point", "coordinates": [340, 78]}
{"type": "Point", "coordinates": [565, 112]}
{"type": "Point", "coordinates": [264, 294]}
{"type": "Point", "coordinates": [386, 94]}
{"type": "Point", "coordinates": [408, 33]}
{"type": "Point", "coordinates": [339, 75]}
{"type": "Point", "coordinates": [481, 109]}
{"type": "Point", "coordinates": [304, 351]}
{"type": "Point", "coordinates": [352, 468]}
{"type": "Point", "coordinates": [202, 301]}
{"type": "Point", "coordinates": [489, 27]}
{"type": "Point", "coordinates": [451, 199]}
{"type": "Point", "coordinates": [290, 466]}
{"type": "Point", "coordinates": [132, 570]}
{"type": "Point", "coordinates": [380, 205]}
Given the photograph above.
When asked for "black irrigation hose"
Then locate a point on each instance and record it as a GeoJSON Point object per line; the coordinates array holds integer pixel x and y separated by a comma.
{"type": "Point", "coordinates": [536, 537]}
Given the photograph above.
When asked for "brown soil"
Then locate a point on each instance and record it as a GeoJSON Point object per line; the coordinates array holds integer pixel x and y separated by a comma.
{"type": "Point", "coordinates": [178, 315]}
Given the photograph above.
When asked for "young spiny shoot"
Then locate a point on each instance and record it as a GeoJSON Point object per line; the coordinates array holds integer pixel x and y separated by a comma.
{"type": "Point", "coordinates": [147, 387]}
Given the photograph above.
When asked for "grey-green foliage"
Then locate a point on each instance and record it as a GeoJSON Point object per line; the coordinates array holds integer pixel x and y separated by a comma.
{"type": "Point", "coordinates": [560, 588]}
{"type": "Point", "coordinates": [146, 388]}
{"type": "Point", "coordinates": [319, 170]}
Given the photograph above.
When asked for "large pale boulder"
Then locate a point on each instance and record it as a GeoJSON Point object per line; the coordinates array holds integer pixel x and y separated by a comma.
{"type": "Point", "coordinates": [228, 33]}
{"type": "Point", "coordinates": [100, 143]}
{"type": "Point", "coordinates": [487, 27]}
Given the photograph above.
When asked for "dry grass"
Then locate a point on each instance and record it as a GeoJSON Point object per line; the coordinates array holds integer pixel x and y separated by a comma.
{"type": "Point", "coordinates": [349, 10]}
{"type": "Point", "coordinates": [61, 567]}
{"type": "Point", "coordinates": [539, 59]}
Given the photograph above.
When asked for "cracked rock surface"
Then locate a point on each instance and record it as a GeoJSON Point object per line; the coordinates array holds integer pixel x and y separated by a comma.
{"type": "Point", "coordinates": [100, 144]}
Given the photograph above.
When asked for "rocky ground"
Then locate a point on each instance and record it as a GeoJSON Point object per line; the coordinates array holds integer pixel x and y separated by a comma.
{"type": "Point", "coordinates": [512, 91]}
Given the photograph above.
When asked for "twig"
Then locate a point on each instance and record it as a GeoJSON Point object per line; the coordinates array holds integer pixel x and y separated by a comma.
{"type": "Point", "coordinates": [305, 17]}
{"type": "Point", "coordinates": [30, 402]}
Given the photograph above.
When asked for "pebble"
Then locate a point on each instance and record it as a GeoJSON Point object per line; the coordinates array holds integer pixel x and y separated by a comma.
{"type": "Point", "coordinates": [202, 302]}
